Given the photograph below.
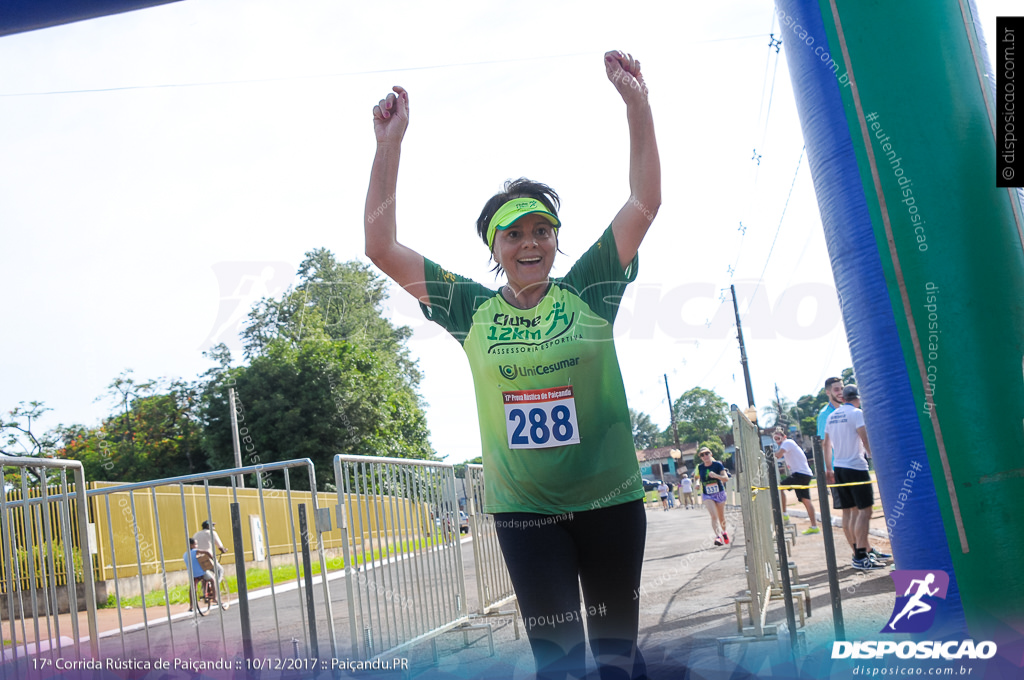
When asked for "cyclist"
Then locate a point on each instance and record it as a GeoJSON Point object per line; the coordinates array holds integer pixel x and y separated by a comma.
{"type": "Point", "coordinates": [196, 572]}
{"type": "Point", "coordinates": [206, 539]}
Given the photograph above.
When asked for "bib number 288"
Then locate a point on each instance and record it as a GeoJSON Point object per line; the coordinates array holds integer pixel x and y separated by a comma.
{"type": "Point", "coordinates": [539, 419]}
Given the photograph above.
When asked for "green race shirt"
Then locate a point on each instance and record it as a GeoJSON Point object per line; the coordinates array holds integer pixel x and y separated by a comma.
{"type": "Point", "coordinates": [554, 426]}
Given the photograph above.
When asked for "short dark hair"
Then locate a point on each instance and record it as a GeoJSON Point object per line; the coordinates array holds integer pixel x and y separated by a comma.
{"type": "Point", "coordinates": [829, 382]}
{"type": "Point", "coordinates": [515, 188]}
{"type": "Point", "coordinates": [191, 542]}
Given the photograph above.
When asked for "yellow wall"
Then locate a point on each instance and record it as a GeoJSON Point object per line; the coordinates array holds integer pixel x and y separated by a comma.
{"type": "Point", "coordinates": [181, 511]}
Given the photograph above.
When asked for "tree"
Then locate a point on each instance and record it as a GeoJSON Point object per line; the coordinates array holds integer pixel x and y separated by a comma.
{"type": "Point", "coordinates": [686, 434]}
{"type": "Point", "coordinates": [122, 389]}
{"type": "Point", "coordinates": [157, 436]}
{"type": "Point", "coordinates": [328, 375]}
{"type": "Point", "coordinates": [705, 411]}
{"type": "Point", "coordinates": [19, 440]}
{"type": "Point", "coordinates": [315, 399]}
{"type": "Point", "coordinates": [778, 413]}
{"type": "Point", "coordinates": [645, 432]}
{"type": "Point", "coordinates": [717, 450]}
{"type": "Point", "coordinates": [460, 468]}
{"type": "Point", "coordinates": [343, 300]}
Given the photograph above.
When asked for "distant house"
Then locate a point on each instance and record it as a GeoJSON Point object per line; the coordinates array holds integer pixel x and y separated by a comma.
{"type": "Point", "coordinates": [666, 462]}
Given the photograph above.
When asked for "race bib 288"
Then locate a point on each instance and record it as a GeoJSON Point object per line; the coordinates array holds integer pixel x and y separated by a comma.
{"type": "Point", "coordinates": [540, 419]}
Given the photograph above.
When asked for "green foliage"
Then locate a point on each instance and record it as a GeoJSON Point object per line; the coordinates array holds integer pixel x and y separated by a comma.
{"type": "Point", "coordinates": [337, 301]}
{"type": "Point", "coordinates": [40, 562]}
{"type": "Point", "coordinates": [17, 438]}
{"type": "Point", "coordinates": [778, 413]}
{"type": "Point", "coordinates": [717, 450]}
{"type": "Point", "coordinates": [705, 411]}
{"type": "Point", "coordinates": [687, 433]}
{"type": "Point", "coordinates": [460, 468]}
{"type": "Point", "coordinates": [645, 433]}
{"type": "Point", "coordinates": [260, 578]}
{"type": "Point", "coordinates": [157, 435]}
{"type": "Point", "coordinates": [809, 426]}
{"type": "Point", "coordinates": [315, 400]}
{"type": "Point", "coordinates": [328, 375]}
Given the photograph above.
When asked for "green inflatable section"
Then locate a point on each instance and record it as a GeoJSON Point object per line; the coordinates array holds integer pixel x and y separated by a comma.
{"type": "Point", "coordinates": [922, 119]}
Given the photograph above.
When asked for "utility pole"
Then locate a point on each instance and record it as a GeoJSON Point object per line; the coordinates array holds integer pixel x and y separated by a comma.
{"type": "Point", "coordinates": [672, 414]}
{"type": "Point", "coordinates": [240, 479]}
{"type": "Point", "coordinates": [778, 406]}
{"type": "Point", "coordinates": [743, 350]}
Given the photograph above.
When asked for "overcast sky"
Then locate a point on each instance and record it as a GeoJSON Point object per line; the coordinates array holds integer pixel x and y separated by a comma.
{"type": "Point", "coordinates": [161, 170]}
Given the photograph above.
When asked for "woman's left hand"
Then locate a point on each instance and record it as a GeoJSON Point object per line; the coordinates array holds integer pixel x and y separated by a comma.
{"type": "Point", "coordinates": [624, 73]}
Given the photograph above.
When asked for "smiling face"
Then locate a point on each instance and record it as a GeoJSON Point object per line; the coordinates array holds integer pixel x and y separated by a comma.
{"type": "Point", "coordinates": [835, 393]}
{"type": "Point", "coordinates": [778, 437]}
{"type": "Point", "coordinates": [526, 251]}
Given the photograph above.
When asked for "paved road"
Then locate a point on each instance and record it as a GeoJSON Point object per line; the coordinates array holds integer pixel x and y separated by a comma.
{"type": "Point", "coordinates": [686, 606]}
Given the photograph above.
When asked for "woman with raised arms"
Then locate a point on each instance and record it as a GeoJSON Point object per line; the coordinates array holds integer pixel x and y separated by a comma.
{"type": "Point", "coordinates": [561, 473]}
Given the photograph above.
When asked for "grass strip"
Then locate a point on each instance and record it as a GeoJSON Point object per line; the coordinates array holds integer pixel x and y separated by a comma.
{"type": "Point", "coordinates": [260, 578]}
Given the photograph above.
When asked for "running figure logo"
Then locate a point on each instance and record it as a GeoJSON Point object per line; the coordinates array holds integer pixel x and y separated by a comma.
{"type": "Point", "coordinates": [914, 611]}
{"type": "Point", "coordinates": [242, 284]}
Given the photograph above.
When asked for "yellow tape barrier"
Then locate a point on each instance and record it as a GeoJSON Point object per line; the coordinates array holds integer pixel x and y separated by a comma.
{"type": "Point", "coordinates": [809, 486]}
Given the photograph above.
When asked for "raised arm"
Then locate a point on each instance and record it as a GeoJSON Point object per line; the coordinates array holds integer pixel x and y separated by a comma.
{"type": "Point", "coordinates": [400, 263]}
{"type": "Point", "coordinates": [634, 218]}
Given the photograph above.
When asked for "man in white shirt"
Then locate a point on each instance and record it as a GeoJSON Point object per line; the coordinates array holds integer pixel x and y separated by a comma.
{"type": "Point", "coordinates": [206, 538]}
{"type": "Point", "coordinates": [799, 475]}
{"type": "Point", "coordinates": [686, 488]}
{"type": "Point", "coordinates": [846, 456]}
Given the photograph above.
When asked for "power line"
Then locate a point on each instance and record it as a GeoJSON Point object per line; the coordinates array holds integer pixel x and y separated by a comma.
{"type": "Point", "coordinates": [345, 74]}
{"type": "Point", "coordinates": [773, 43]}
{"type": "Point", "coordinates": [778, 228]}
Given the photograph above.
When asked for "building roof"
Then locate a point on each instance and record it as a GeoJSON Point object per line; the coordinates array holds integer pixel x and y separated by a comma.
{"type": "Point", "coordinates": [665, 453]}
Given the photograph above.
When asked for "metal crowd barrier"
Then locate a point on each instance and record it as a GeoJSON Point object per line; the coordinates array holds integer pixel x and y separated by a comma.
{"type": "Point", "coordinates": [764, 578]}
{"type": "Point", "coordinates": [403, 559]}
{"type": "Point", "coordinates": [493, 584]}
{"type": "Point", "coordinates": [751, 470]}
{"type": "Point", "coordinates": [38, 547]}
{"type": "Point", "coordinates": [158, 513]}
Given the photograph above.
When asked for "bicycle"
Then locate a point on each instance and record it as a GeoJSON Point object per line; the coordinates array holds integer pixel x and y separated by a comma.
{"type": "Point", "coordinates": [203, 599]}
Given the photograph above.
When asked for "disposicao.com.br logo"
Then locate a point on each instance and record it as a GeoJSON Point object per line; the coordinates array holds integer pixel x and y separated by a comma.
{"type": "Point", "coordinates": [918, 592]}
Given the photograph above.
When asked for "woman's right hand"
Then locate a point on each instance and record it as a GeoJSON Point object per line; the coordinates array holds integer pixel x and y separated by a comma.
{"type": "Point", "coordinates": [391, 116]}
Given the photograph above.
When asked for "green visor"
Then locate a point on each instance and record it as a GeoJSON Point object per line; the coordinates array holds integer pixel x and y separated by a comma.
{"type": "Point", "coordinates": [512, 211]}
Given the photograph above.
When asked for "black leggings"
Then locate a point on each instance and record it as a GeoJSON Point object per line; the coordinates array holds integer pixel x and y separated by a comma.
{"type": "Point", "coordinates": [549, 558]}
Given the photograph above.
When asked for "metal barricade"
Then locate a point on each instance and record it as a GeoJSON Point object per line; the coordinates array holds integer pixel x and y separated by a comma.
{"type": "Point", "coordinates": [751, 471]}
{"type": "Point", "coordinates": [403, 558]}
{"type": "Point", "coordinates": [45, 547]}
{"type": "Point", "coordinates": [764, 577]}
{"type": "Point", "coordinates": [493, 584]}
{"type": "Point", "coordinates": [157, 517]}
